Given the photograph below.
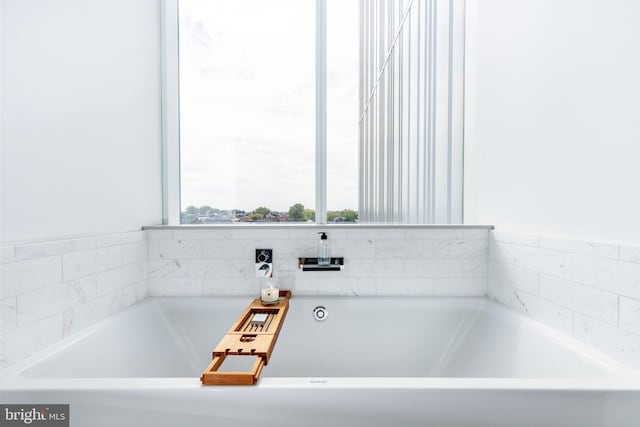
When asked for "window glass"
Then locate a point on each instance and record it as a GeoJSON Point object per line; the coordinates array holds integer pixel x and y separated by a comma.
{"type": "Point", "coordinates": [247, 110]}
{"type": "Point", "coordinates": [342, 109]}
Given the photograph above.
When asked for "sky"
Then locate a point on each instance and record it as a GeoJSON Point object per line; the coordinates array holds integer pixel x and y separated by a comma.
{"type": "Point", "coordinates": [247, 103]}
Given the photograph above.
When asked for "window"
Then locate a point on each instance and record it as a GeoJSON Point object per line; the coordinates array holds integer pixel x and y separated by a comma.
{"type": "Point", "coordinates": [313, 111]}
{"type": "Point", "coordinates": [247, 110]}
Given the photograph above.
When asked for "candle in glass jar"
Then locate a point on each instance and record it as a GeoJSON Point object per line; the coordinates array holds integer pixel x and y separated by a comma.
{"type": "Point", "coordinates": [269, 294]}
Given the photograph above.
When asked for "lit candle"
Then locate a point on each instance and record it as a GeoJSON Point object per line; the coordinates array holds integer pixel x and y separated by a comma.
{"type": "Point", "coordinates": [269, 294]}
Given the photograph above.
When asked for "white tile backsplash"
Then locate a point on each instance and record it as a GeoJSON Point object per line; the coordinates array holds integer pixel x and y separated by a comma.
{"type": "Point", "coordinates": [404, 286]}
{"type": "Point", "coordinates": [167, 287]}
{"type": "Point", "coordinates": [374, 258]}
{"type": "Point", "coordinates": [603, 250]}
{"type": "Point", "coordinates": [618, 276]}
{"type": "Point", "coordinates": [620, 344]}
{"type": "Point", "coordinates": [548, 261]}
{"type": "Point", "coordinates": [50, 289]}
{"type": "Point", "coordinates": [580, 298]}
{"type": "Point", "coordinates": [23, 276]}
{"type": "Point", "coordinates": [594, 285]}
{"type": "Point", "coordinates": [120, 277]}
{"type": "Point", "coordinates": [521, 239]}
{"type": "Point", "coordinates": [168, 249]}
{"type": "Point", "coordinates": [20, 342]}
{"type": "Point", "coordinates": [460, 249]}
{"type": "Point", "coordinates": [515, 276]}
{"type": "Point", "coordinates": [466, 287]}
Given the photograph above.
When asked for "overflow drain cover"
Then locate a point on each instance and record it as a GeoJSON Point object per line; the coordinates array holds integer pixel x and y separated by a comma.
{"type": "Point", "coordinates": [320, 313]}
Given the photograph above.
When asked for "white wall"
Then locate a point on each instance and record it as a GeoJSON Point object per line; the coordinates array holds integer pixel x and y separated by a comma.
{"type": "Point", "coordinates": [80, 89]}
{"type": "Point", "coordinates": [553, 119]}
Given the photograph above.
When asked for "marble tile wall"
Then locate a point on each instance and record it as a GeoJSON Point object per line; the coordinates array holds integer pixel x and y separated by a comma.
{"type": "Point", "coordinates": [589, 290]}
{"type": "Point", "coordinates": [447, 261]}
{"type": "Point", "coordinates": [49, 290]}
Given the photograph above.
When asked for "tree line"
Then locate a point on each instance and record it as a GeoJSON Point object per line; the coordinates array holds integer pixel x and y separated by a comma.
{"type": "Point", "coordinates": [296, 213]}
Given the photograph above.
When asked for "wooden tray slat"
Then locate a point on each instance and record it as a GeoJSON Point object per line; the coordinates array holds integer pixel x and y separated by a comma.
{"type": "Point", "coordinates": [241, 341]}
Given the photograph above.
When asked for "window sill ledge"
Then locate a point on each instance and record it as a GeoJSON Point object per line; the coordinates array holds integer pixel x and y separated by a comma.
{"type": "Point", "coordinates": [313, 226]}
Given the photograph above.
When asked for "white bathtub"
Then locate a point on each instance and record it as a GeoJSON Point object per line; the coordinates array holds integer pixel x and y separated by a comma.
{"type": "Point", "coordinates": [372, 362]}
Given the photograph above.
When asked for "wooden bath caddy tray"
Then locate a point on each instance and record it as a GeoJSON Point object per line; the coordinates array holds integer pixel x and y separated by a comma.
{"type": "Point", "coordinates": [254, 334]}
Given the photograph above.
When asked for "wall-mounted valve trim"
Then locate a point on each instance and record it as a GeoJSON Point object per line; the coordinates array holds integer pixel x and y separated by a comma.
{"type": "Point", "coordinates": [264, 263]}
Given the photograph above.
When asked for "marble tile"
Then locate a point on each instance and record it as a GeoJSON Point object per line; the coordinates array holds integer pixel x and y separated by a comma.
{"type": "Point", "coordinates": [24, 276]}
{"type": "Point", "coordinates": [245, 233]}
{"type": "Point", "coordinates": [119, 238]}
{"type": "Point", "coordinates": [472, 234]}
{"type": "Point", "coordinates": [460, 286]}
{"type": "Point", "coordinates": [118, 278]}
{"type": "Point", "coordinates": [582, 299]}
{"type": "Point", "coordinates": [475, 267]}
{"type": "Point", "coordinates": [109, 257]}
{"type": "Point", "coordinates": [78, 264]}
{"type": "Point", "coordinates": [55, 247]}
{"type": "Point", "coordinates": [20, 343]}
{"type": "Point", "coordinates": [618, 343]}
{"type": "Point", "coordinates": [84, 243]}
{"type": "Point", "coordinates": [164, 234]}
{"type": "Point", "coordinates": [339, 287]}
{"type": "Point", "coordinates": [547, 261]}
{"type": "Point", "coordinates": [162, 287]}
{"type": "Point", "coordinates": [613, 276]}
{"type": "Point", "coordinates": [376, 234]}
{"type": "Point", "coordinates": [229, 248]}
{"type": "Point", "coordinates": [553, 315]}
{"type": "Point", "coordinates": [404, 286]}
{"type": "Point", "coordinates": [514, 238]}
{"type": "Point", "coordinates": [41, 303]}
{"type": "Point", "coordinates": [461, 249]}
{"type": "Point", "coordinates": [172, 249]}
{"type": "Point", "coordinates": [349, 249]}
{"type": "Point", "coordinates": [630, 315]}
{"type": "Point", "coordinates": [372, 267]}
{"type": "Point", "coordinates": [187, 234]}
{"type": "Point", "coordinates": [133, 252]}
{"type": "Point", "coordinates": [430, 267]}
{"type": "Point", "coordinates": [86, 314]}
{"type": "Point", "coordinates": [435, 233]}
{"type": "Point", "coordinates": [130, 295]}
{"type": "Point", "coordinates": [603, 250]}
{"type": "Point", "coordinates": [400, 248]}
{"type": "Point", "coordinates": [44, 249]}
{"type": "Point", "coordinates": [506, 295]}
{"type": "Point", "coordinates": [192, 268]}
{"type": "Point", "coordinates": [512, 275]}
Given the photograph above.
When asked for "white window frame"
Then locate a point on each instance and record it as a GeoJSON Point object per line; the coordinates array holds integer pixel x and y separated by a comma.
{"type": "Point", "coordinates": [170, 87]}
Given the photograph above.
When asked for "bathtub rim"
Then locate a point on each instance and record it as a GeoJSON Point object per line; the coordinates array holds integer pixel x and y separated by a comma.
{"type": "Point", "coordinates": [627, 379]}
